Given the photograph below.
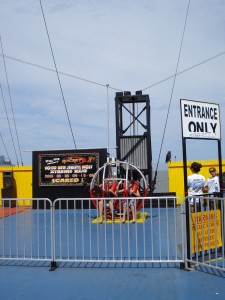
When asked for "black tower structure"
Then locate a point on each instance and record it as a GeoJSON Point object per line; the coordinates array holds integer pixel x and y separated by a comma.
{"type": "Point", "coordinates": [133, 136]}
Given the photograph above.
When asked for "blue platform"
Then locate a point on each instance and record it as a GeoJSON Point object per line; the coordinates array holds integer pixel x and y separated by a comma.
{"type": "Point", "coordinates": [81, 280]}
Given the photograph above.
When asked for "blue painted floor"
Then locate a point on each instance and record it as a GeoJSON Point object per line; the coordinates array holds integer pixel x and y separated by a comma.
{"type": "Point", "coordinates": [31, 281]}
{"type": "Point", "coordinates": [24, 282]}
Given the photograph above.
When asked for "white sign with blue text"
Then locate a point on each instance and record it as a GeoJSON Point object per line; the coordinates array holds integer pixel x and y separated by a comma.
{"type": "Point", "coordinates": [200, 120]}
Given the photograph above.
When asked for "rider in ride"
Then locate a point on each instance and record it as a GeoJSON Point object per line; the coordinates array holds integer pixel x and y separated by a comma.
{"type": "Point", "coordinates": [109, 191]}
{"type": "Point", "coordinates": [133, 191]}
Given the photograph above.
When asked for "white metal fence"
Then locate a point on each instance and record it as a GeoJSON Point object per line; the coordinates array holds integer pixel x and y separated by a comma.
{"type": "Point", "coordinates": [205, 232]}
{"type": "Point", "coordinates": [68, 230]}
{"type": "Point", "coordinates": [156, 236]}
{"type": "Point", "coordinates": [25, 231]}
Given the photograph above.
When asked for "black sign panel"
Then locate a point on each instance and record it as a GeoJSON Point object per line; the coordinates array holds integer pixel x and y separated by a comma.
{"type": "Point", "coordinates": [67, 169]}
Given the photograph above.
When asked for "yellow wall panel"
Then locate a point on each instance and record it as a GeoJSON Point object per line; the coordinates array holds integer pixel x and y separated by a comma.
{"type": "Point", "coordinates": [176, 174]}
{"type": "Point", "coordinates": [22, 182]}
{"type": "Point", "coordinates": [23, 178]}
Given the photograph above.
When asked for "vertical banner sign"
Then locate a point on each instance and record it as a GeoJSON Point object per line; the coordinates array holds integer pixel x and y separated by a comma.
{"type": "Point", "coordinates": [205, 230]}
{"type": "Point", "coordinates": [72, 169]}
{"type": "Point", "coordinates": [200, 120]}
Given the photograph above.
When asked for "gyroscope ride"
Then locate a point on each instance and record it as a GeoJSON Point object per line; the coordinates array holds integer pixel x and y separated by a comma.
{"type": "Point", "coordinates": [116, 181]}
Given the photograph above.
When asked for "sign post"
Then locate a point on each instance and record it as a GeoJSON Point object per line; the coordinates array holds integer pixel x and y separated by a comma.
{"type": "Point", "coordinates": [200, 120]}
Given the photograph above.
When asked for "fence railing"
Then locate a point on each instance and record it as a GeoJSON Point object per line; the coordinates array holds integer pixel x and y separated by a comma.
{"type": "Point", "coordinates": [205, 218]}
{"type": "Point", "coordinates": [26, 231]}
{"type": "Point", "coordinates": [69, 230]}
{"type": "Point", "coordinates": [156, 236]}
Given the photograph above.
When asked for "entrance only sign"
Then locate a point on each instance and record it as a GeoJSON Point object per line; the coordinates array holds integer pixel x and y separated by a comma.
{"type": "Point", "coordinates": [200, 120]}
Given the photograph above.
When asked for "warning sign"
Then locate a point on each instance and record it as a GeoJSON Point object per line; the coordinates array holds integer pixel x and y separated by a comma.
{"type": "Point", "coordinates": [205, 230]}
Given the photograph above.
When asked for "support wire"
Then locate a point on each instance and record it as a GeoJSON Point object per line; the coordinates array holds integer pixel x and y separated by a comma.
{"type": "Point", "coordinates": [10, 129]}
{"type": "Point", "coordinates": [5, 148]}
{"type": "Point", "coordinates": [170, 101]}
{"type": "Point", "coordinates": [10, 98]}
{"type": "Point", "coordinates": [64, 101]}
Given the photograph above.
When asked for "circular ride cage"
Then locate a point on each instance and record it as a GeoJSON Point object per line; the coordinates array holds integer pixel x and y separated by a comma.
{"type": "Point", "coordinates": [115, 171]}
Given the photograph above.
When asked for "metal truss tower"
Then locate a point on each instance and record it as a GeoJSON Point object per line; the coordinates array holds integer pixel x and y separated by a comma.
{"type": "Point", "coordinates": [133, 135]}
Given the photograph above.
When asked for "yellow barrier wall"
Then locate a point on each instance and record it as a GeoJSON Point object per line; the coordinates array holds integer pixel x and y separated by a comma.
{"type": "Point", "coordinates": [22, 180]}
{"type": "Point", "coordinates": [23, 177]}
{"type": "Point", "coordinates": [176, 174]}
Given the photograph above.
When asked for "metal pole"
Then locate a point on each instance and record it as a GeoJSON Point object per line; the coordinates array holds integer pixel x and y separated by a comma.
{"type": "Point", "coordinates": [107, 86]}
{"type": "Point", "coordinates": [186, 203]}
{"type": "Point", "coordinates": [185, 166]}
{"type": "Point", "coordinates": [220, 167]}
{"type": "Point", "coordinates": [133, 112]}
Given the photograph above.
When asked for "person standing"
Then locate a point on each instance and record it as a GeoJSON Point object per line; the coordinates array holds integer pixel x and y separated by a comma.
{"type": "Point", "coordinates": [212, 185]}
{"type": "Point", "coordinates": [195, 183]}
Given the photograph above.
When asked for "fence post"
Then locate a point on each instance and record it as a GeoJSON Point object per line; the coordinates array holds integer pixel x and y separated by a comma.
{"type": "Point", "coordinates": [53, 262]}
{"type": "Point", "coordinates": [188, 252]}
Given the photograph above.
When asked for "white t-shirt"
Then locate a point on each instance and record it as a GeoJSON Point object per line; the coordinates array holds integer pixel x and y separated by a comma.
{"type": "Point", "coordinates": [195, 183]}
{"type": "Point", "coordinates": [213, 185]}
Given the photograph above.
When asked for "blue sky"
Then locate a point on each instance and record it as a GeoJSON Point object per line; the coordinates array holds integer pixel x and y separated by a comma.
{"type": "Point", "coordinates": [130, 45]}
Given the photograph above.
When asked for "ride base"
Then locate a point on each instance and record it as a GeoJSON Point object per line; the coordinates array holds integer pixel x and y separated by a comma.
{"type": "Point", "coordinates": [140, 218]}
